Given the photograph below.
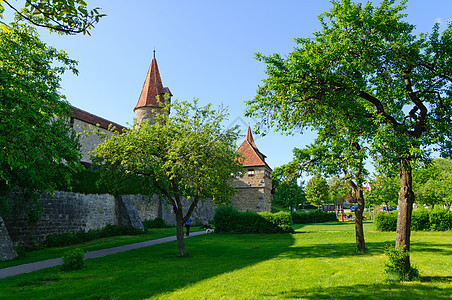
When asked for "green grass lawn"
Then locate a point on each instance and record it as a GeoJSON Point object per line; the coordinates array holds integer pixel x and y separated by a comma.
{"type": "Point", "coordinates": [318, 261]}
{"type": "Point", "coordinates": [109, 242]}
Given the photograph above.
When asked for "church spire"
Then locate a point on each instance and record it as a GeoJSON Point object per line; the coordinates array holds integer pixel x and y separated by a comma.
{"type": "Point", "coordinates": [153, 92]}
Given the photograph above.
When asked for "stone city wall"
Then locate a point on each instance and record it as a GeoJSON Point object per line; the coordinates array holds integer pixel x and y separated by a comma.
{"type": "Point", "coordinates": [71, 212]}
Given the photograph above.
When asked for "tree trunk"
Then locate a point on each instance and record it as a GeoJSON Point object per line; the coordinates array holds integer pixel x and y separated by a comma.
{"type": "Point", "coordinates": [405, 209]}
{"type": "Point", "coordinates": [291, 214]}
{"type": "Point", "coordinates": [180, 232]}
{"type": "Point", "coordinates": [359, 231]}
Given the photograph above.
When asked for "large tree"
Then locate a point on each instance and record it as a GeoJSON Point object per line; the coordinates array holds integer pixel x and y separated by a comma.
{"type": "Point", "coordinates": [366, 62]}
{"type": "Point", "coordinates": [186, 154]}
{"type": "Point", "coordinates": [62, 16]}
{"type": "Point", "coordinates": [38, 147]}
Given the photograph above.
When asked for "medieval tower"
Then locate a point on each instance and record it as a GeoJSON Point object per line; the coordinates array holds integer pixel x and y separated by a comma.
{"type": "Point", "coordinates": [152, 95]}
{"type": "Point", "coordinates": [255, 184]}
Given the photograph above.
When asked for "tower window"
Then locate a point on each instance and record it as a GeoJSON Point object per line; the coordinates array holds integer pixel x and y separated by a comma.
{"type": "Point", "coordinates": [250, 172]}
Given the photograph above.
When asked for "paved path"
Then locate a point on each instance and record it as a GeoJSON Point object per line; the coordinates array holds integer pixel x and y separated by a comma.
{"type": "Point", "coordinates": [26, 268]}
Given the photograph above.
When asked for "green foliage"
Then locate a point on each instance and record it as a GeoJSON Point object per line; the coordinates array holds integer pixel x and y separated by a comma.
{"type": "Point", "coordinates": [38, 147]}
{"type": "Point", "coordinates": [287, 193]}
{"type": "Point", "coordinates": [384, 190]}
{"type": "Point", "coordinates": [433, 183]}
{"type": "Point", "coordinates": [188, 153]}
{"type": "Point", "coordinates": [317, 190]}
{"type": "Point", "coordinates": [318, 216]}
{"type": "Point", "coordinates": [229, 219]}
{"type": "Point", "coordinates": [73, 260]}
{"type": "Point", "coordinates": [438, 219]}
{"type": "Point", "coordinates": [66, 239]}
{"type": "Point", "coordinates": [420, 220]}
{"type": "Point", "coordinates": [155, 223]}
{"type": "Point", "coordinates": [386, 221]}
{"type": "Point", "coordinates": [64, 17]}
{"type": "Point", "coordinates": [396, 269]}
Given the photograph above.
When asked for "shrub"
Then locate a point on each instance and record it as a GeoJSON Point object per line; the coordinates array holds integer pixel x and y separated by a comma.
{"type": "Point", "coordinates": [386, 221]}
{"type": "Point", "coordinates": [420, 220]}
{"type": "Point", "coordinates": [395, 268]}
{"type": "Point", "coordinates": [440, 219]}
{"type": "Point", "coordinates": [73, 260]}
{"type": "Point", "coordinates": [156, 223]}
{"type": "Point", "coordinates": [229, 219]}
{"type": "Point", "coordinates": [318, 216]}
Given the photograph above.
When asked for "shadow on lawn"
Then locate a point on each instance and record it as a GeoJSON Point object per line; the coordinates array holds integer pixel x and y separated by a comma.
{"type": "Point", "coordinates": [374, 291]}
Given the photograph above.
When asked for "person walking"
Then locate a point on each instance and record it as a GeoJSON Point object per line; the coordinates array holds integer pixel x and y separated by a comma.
{"type": "Point", "coordinates": [187, 226]}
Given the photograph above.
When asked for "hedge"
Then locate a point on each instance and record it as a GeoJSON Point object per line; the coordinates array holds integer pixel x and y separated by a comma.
{"type": "Point", "coordinates": [230, 219]}
{"type": "Point", "coordinates": [318, 216]}
{"type": "Point", "coordinates": [438, 219]}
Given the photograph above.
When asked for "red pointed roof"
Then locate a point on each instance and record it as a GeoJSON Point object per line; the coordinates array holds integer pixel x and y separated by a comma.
{"type": "Point", "coordinates": [152, 88]}
{"type": "Point", "coordinates": [252, 157]}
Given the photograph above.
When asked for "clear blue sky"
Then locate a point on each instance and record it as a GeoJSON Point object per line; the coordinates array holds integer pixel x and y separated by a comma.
{"type": "Point", "coordinates": [204, 49]}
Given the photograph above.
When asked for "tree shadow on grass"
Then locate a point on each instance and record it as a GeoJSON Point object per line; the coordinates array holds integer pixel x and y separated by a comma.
{"type": "Point", "coordinates": [374, 291]}
{"type": "Point", "coordinates": [155, 270]}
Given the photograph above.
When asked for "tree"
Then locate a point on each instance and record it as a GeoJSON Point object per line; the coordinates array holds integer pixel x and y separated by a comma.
{"type": "Point", "coordinates": [433, 183]}
{"type": "Point", "coordinates": [317, 190]}
{"type": "Point", "coordinates": [66, 17]}
{"type": "Point", "coordinates": [366, 63]}
{"type": "Point", "coordinates": [384, 190]}
{"type": "Point", "coordinates": [187, 154]}
{"type": "Point", "coordinates": [338, 152]}
{"type": "Point", "coordinates": [38, 147]}
{"type": "Point", "coordinates": [286, 191]}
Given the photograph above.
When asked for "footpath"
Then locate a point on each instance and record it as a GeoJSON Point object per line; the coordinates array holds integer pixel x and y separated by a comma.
{"type": "Point", "coordinates": [26, 268]}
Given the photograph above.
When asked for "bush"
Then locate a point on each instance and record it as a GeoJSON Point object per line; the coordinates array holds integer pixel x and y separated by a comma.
{"type": "Point", "coordinates": [420, 220]}
{"type": "Point", "coordinates": [318, 216]}
{"type": "Point", "coordinates": [386, 221]}
{"type": "Point", "coordinates": [229, 219]}
{"type": "Point", "coordinates": [73, 260]}
{"type": "Point", "coordinates": [438, 219]}
{"type": "Point", "coordinates": [395, 268]}
{"type": "Point", "coordinates": [156, 223]}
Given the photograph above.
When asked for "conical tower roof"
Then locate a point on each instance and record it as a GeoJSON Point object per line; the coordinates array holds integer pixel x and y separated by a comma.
{"type": "Point", "coordinates": [252, 157]}
{"type": "Point", "coordinates": [152, 88]}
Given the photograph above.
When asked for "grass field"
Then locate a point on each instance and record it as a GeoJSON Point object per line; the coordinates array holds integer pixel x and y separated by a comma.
{"type": "Point", "coordinates": [317, 262]}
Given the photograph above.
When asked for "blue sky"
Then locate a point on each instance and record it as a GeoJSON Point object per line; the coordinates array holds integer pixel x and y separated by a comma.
{"type": "Point", "coordinates": [204, 49]}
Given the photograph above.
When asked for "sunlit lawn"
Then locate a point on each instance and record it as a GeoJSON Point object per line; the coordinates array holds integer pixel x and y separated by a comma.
{"type": "Point", "coordinates": [319, 261]}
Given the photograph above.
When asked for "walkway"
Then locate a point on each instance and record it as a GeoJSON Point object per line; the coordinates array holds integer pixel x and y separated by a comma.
{"type": "Point", "coordinates": [26, 268]}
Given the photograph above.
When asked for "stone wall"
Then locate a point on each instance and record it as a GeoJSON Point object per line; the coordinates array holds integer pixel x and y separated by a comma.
{"type": "Point", "coordinates": [253, 190]}
{"type": "Point", "coordinates": [88, 142]}
{"type": "Point", "coordinates": [71, 212]}
{"type": "Point", "coordinates": [62, 212]}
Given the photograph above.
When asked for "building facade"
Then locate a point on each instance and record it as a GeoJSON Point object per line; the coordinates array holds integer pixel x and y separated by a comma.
{"type": "Point", "coordinates": [254, 185]}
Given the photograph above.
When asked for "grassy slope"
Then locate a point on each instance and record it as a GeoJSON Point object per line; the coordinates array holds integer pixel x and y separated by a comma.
{"type": "Point", "coordinates": [98, 244]}
{"type": "Point", "coordinates": [319, 261]}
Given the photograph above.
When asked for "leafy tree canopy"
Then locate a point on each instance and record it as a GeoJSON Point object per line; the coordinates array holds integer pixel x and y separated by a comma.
{"type": "Point", "coordinates": [38, 147]}
{"type": "Point", "coordinates": [317, 190]}
{"type": "Point", "coordinates": [433, 183]}
{"type": "Point", "coordinates": [187, 153]}
{"type": "Point", "coordinates": [62, 16]}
